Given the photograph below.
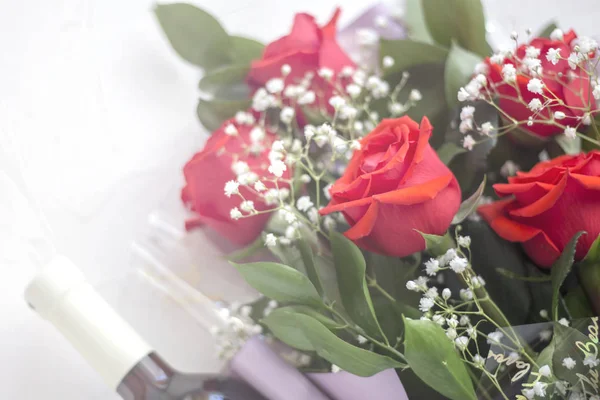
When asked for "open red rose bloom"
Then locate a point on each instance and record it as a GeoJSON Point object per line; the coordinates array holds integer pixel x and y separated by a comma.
{"type": "Point", "coordinates": [568, 87]}
{"type": "Point", "coordinates": [548, 205]}
{"type": "Point", "coordinates": [395, 186]}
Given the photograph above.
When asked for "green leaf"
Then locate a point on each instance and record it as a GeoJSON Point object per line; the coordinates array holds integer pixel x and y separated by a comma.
{"type": "Point", "coordinates": [415, 22]}
{"type": "Point", "coordinates": [459, 69]}
{"type": "Point", "coordinates": [448, 151]}
{"type": "Point", "coordinates": [432, 357]}
{"type": "Point", "coordinates": [196, 35]}
{"type": "Point", "coordinates": [284, 325]}
{"type": "Point", "coordinates": [460, 20]}
{"type": "Point", "coordinates": [577, 303]}
{"type": "Point", "coordinates": [223, 92]}
{"type": "Point", "coordinates": [470, 204]}
{"type": "Point", "coordinates": [311, 312]}
{"type": "Point", "coordinates": [309, 264]}
{"type": "Point", "coordinates": [593, 254]}
{"type": "Point", "coordinates": [548, 29]}
{"type": "Point", "coordinates": [245, 50]}
{"type": "Point", "coordinates": [560, 269]}
{"type": "Point", "coordinates": [251, 249]}
{"type": "Point", "coordinates": [350, 269]}
{"type": "Point", "coordinates": [280, 282]}
{"type": "Point", "coordinates": [565, 339]}
{"type": "Point", "coordinates": [437, 245]}
{"type": "Point", "coordinates": [407, 54]}
{"type": "Point", "coordinates": [568, 145]}
{"type": "Point", "coordinates": [350, 358]}
{"type": "Point", "coordinates": [212, 114]}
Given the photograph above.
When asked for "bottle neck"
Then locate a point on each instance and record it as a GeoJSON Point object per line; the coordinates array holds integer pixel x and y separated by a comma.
{"type": "Point", "coordinates": [110, 345]}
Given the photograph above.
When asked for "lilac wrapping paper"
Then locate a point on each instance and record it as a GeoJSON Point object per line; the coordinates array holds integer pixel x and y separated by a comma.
{"type": "Point", "coordinates": [260, 366]}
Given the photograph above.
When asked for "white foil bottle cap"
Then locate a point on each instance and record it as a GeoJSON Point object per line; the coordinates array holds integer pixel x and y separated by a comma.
{"type": "Point", "coordinates": [61, 295]}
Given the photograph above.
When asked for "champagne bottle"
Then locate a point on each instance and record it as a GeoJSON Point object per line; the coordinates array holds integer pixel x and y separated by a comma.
{"type": "Point", "coordinates": [126, 362]}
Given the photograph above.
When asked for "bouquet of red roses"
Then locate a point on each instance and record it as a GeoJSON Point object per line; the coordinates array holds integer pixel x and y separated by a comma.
{"type": "Point", "coordinates": [433, 204]}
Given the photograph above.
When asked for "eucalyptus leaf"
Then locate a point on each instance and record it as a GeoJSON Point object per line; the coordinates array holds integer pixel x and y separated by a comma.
{"type": "Point", "coordinates": [415, 22]}
{"type": "Point", "coordinates": [460, 20]}
{"type": "Point", "coordinates": [350, 269]}
{"type": "Point", "coordinates": [448, 151]}
{"type": "Point", "coordinates": [408, 54]}
{"type": "Point", "coordinates": [350, 358]}
{"type": "Point", "coordinates": [309, 264]}
{"type": "Point", "coordinates": [560, 269]}
{"type": "Point", "coordinates": [281, 283]}
{"type": "Point", "coordinates": [245, 50]}
{"type": "Point", "coordinates": [470, 204]}
{"type": "Point", "coordinates": [195, 34]}
{"type": "Point", "coordinates": [459, 69]}
{"type": "Point", "coordinates": [433, 358]}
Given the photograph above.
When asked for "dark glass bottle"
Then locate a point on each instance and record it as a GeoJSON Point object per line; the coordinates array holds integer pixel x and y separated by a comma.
{"type": "Point", "coordinates": [125, 361]}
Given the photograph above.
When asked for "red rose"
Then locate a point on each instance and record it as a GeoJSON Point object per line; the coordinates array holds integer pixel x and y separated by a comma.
{"type": "Point", "coordinates": [546, 206]}
{"type": "Point", "coordinates": [307, 48]}
{"type": "Point", "coordinates": [569, 87]}
{"type": "Point", "coordinates": [208, 171]}
{"type": "Point", "coordinates": [394, 186]}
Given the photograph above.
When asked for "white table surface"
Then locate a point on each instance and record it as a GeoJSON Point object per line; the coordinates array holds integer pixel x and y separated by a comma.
{"type": "Point", "coordinates": [97, 117]}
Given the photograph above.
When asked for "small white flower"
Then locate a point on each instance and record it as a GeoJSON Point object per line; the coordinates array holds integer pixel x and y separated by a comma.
{"type": "Point", "coordinates": [359, 77]}
{"type": "Point", "coordinates": [388, 62]}
{"type": "Point", "coordinates": [559, 115]}
{"type": "Point", "coordinates": [277, 168]}
{"type": "Point", "coordinates": [415, 95]}
{"type": "Point", "coordinates": [514, 35]}
{"type": "Point", "coordinates": [313, 215]}
{"type": "Point", "coordinates": [596, 92]}
{"type": "Point", "coordinates": [304, 204]}
{"type": "Point", "coordinates": [231, 187]}
{"type": "Point", "coordinates": [545, 371]}
{"type": "Point", "coordinates": [532, 52]}
{"type": "Point", "coordinates": [335, 369]}
{"type": "Point", "coordinates": [235, 213]}
{"type": "Point", "coordinates": [259, 186]}
{"type": "Point", "coordinates": [466, 294]}
{"type": "Point", "coordinates": [421, 281]}
{"type": "Point", "coordinates": [274, 85]}
{"type": "Point", "coordinates": [270, 240]}
{"type": "Point", "coordinates": [535, 104]}
{"type": "Point", "coordinates": [396, 108]}
{"type": "Point", "coordinates": [539, 388]}
{"type": "Point", "coordinates": [535, 86]}
{"type": "Point", "coordinates": [467, 112]}
{"type": "Point", "coordinates": [486, 128]}
{"type": "Point", "coordinates": [326, 73]}
{"type": "Point", "coordinates": [231, 130]}
{"type": "Point", "coordinates": [509, 73]}
{"type": "Point", "coordinates": [497, 58]}
{"type": "Point", "coordinates": [286, 69]}
{"type": "Point", "coordinates": [287, 115]}
{"type": "Point", "coordinates": [446, 293]}
{"type": "Point", "coordinates": [509, 168]}
{"type": "Point", "coordinates": [553, 55]}
{"type": "Point", "coordinates": [529, 393]}
{"type": "Point", "coordinates": [556, 34]}
{"type": "Point", "coordinates": [278, 146]}
{"type": "Point", "coordinates": [544, 313]}
{"type": "Point", "coordinates": [361, 339]}
{"type": "Point", "coordinates": [411, 285]}
{"type": "Point", "coordinates": [337, 102]}
{"type": "Point", "coordinates": [347, 71]}
{"type": "Point", "coordinates": [447, 257]}
{"type": "Point", "coordinates": [478, 360]}
{"type": "Point", "coordinates": [432, 266]}
{"type": "Point", "coordinates": [463, 95]}
{"type": "Point", "coordinates": [591, 361]}
{"type": "Point", "coordinates": [570, 132]}
{"type": "Point", "coordinates": [545, 335]}
{"type": "Point", "coordinates": [586, 45]}
{"type": "Point", "coordinates": [308, 97]}
{"type": "Point", "coordinates": [586, 119]}
{"type": "Point", "coordinates": [464, 241]}
{"type": "Point", "coordinates": [564, 322]}
{"type": "Point", "coordinates": [290, 232]}
{"type": "Point", "coordinates": [305, 178]}
{"type": "Point", "coordinates": [353, 90]}
{"type": "Point", "coordinates": [482, 68]}
{"type": "Point", "coordinates": [425, 304]}
{"type": "Point", "coordinates": [569, 363]}
{"type": "Point", "coordinates": [451, 333]}
{"type": "Point", "coordinates": [347, 112]}
{"type": "Point", "coordinates": [468, 142]}
{"type": "Point", "coordinates": [459, 265]}
{"type": "Point", "coordinates": [466, 126]}
{"type": "Point", "coordinates": [355, 145]}
{"type": "Point", "coordinates": [464, 320]}
{"type": "Point", "coordinates": [244, 118]}
{"type": "Point", "coordinates": [573, 60]}
{"type": "Point", "coordinates": [452, 322]}
{"type": "Point", "coordinates": [472, 332]}
{"type": "Point", "coordinates": [495, 337]}
{"type": "Point", "coordinates": [309, 132]}
{"type": "Point", "coordinates": [438, 319]}
{"type": "Point", "coordinates": [247, 206]}
{"type": "Point", "coordinates": [381, 90]}
{"type": "Point", "coordinates": [461, 342]}
{"type": "Point", "coordinates": [432, 293]}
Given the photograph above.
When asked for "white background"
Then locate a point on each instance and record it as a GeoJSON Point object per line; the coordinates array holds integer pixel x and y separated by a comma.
{"type": "Point", "coordinates": [97, 117]}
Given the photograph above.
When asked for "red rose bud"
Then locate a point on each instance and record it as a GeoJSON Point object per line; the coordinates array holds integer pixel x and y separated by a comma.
{"type": "Point", "coordinates": [393, 187]}
{"type": "Point", "coordinates": [569, 87]}
{"type": "Point", "coordinates": [232, 155]}
{"type": "Point", "coordinates": [545, 207]}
